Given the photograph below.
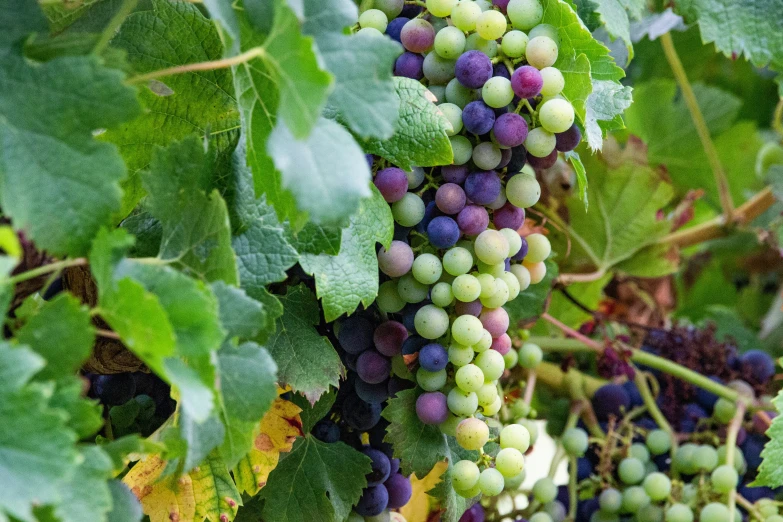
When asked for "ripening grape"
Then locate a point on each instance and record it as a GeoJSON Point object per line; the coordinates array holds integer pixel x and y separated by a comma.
{"type": "Point", "coordinates": [467, 329]}
{"type": "Point", "coordinates": [553, 82]}
{"type": "Point", "coordinates": [556, 115]}
{"type": "Point", "coordinates": [431, 321]}
{"type": "Point", "coordinates": [514, 44]}
{"type": "Point", "coordinates": [397, 260]}
{"type": "Point", "coordinates": [510, 462]}
{"type": "Point", "coordinates": [541, 52]}
{"type": "Point", "coordinates": [375, 19]}
{"type": "Point", "coordinates": [538, 248]}
{"type": "Point", "coordinates": [510, 130]}
{"type": "Point", "coordinates": [431, 408]}
{"type": "Point", "coordinates": [469, 378]}
{"type": "Point", "coordinates": [537, 271]}
{"type": "Point", "coordinates": [486, 155]}
{"type": "Point", "coordinates": [462, 403]}
{"type": "Point", "coordinates": [472, 433]}
{"type": "Point", "coordinates": [417, 35]}
{"type": "Point", "coordinates": [465, 14]}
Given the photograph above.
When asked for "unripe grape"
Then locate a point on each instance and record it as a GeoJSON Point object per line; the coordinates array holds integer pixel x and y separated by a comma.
{"type": "Point", "coordinates": [512, 283]}
{"type": "Point", "coordinates": [523, 190]}
{"type": "Point", "coordinates": [465, 474]}
{"type": "Point", "coordinates": [575, 441]}
{"type": "Point", "coordinates": [497, 91]}
{"type": "Point", "coordinates": [410, 290]}
{"type": "Point", "coordinates": [487, 394]}
{"type": "Point", "coordinates": [553, 82]}
{"type": "Point", "coordinates": [530, 356]}
{"type": "Point", "coordinates": [431, 381]}
{"type": "Point", "coordinates": [509, 462]}
{"type": "Point", "coordinates": [467, 330]}
{"type": "Point", "coordinates": [556, 115]}
{"type": "Point", "coordinates": [389, 299]}
{"type": "Point", "coordinates": [431, 321]}
{"type": "Point", "coordinates": [494, 408]}
{"type": "Point", "coordinates": [460, 355]}
{"type": "Point", "coordinates": [544, 490]}
{"type": "Point", "coordinates": [466, 288]}
{"type": "Point", "coordinates": [453, 114]}
{"type": "Point", "coordinates": [538, 248]}
{"type": "Point", "coordinates": [476, 43]}
{"type": "Point", "coordinates": [539, 143]}
{"type": "Point", "coordinates": [442, 295]}
{"type": "Point", "coordinates": [491, 25]}
{"type": "Point", "coordinates": [441, 8]}
{"type": "Point", "coordinates": [515, 436]}
{"type": "Point", "coordinates": [374, 18]}
{"type": "Point", "coordinates": [499, 297]}
{"type": "Point", "coordinates": [469, 378]}
{"type": "Point", "coordinates": [472, 433]}
{"type": "Point", "coordinates": [525, 14]}
{"type": "Point", "coordinates": [491, 364]}
{"type": "Point", "coordinates": [409, 210]}
{"type": "Point", "coordinates": [523, 276]}
{"type": "Point", "coordinates": [427, 269]}
{"type": "Point", "coordinates": [514, 240]}
{"type": "Point", "coordinates": [462, 403]}
{"type": "Point", "coordinates": [465, 14]}
{"type": "Point", "coordinates": [491, 247]}
{"type": "Point", "coordinates": [450, 43]}
{"type": "Point", "coordinates": [514, 44]}
{"type": "Point", "coordinates": [491, 482]}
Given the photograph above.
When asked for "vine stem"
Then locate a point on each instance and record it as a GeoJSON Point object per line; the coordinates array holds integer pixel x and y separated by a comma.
{"type": "Point", "coordinates": [46, 269]}
{"type": "Point", "coordinates": [572, 493]}
{"type": "Point", "coordinates": [530, 386]}
{"type": "Point", "coordinates": [255, 52]}
{"type": "Point", "coordinates": [567, 279]}
{"type": "Point", "coordinates": [114, 24]}
{"type": "Point", "coordinates": [731, 445]}
{"type": "Point", "coordinates": [573, 333]}
{"type": "Point", "coordinates": [701, 125]}
{"type": "Point", "coordinates": [655, 412]}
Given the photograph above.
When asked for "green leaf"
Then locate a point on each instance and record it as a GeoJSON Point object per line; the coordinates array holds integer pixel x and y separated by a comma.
{"type": "Point", "coordinates": [62, 333]}
{"type": "Point", "coordinates": [770, 472]}
{"type": "Point", "coordinates": [312, 413]}
{"type": "Point", "coordinates": [709, 287]}
{"type": "Point", "coordinates": [86, 496]}
{"type": "Point", "coordinates": [615, 20]}
{"type": "Point", "coordinates": [530, 303]}
{"type": "Point", "coordinates": [605, 104]}
{"type": "Point", "coordinates": [240, 315]}
{"type": "Point", "coordinates": [326, 172]}
{"type": "Point", "coordinates": [85, 416]}
{"type": "Point", "coordinates": [196, 234]}
{"type": "Point", "coordinates": [19, 18]}
{"type": "Point", "coordinates": [315, 239]}
{"type": "Point", "coordinates": [420, 134]}
{"type": "Point", "coordinates": [72, 188]}
{"type": "Point", "coordinates": [316, 481]}
{"type": "Point", "coordinates": [125, 506]}
{"type": "Point", "coordinates": [305, 359]}
{"type": "Point", "coordinates": [581, 175]}
{"type": "Point", "coordinates": [351, 277]}
{"type": "Point", "coordinates": [654, 25]}
{"type": "Point", "coordinates": [165, 34]}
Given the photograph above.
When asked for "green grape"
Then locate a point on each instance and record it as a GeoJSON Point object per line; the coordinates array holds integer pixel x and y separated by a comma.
{"type": "Point", "coordinates": [494, 270]}
{"type": "Point", "coordinates": [391, 8]}
{"type": "Point", "coordinates": [554, 83]}
{"type": "Point", "coordinates": [541, 52]}
{"type": "Point", "coordinates": [540, 517]}
{"type": "Point", "coordinates": [450, 43]}
{"type": "Point", "coordinates": [497, 92]}
{"type": "Point", "coordinates": [739, 458]}
{"type": "Point", "coordinates": [410, 290]}
{"type": "Point", "coordinates": [492, 409]}
{"type": "Point", "coordinates": [706, 458]}
{"type": "Point", "coordinates": [491, 247]}
{"type": "Point", "coordinates": [466, 288]}
{"type": "Point", "coordinates": [724, 410]}
{"type": "Point", "coordinates": [441, 8]}
{"type": "Point", "coordinates": [439, 71]}
{"type": "Point", "coordinates": [657, 486]}
{"type": "Point", "coordinates": [487, 155]}
{"type": "Point", "coordinates": [415, 177]}
{"type": "Point", "coordinates": [514, 483]}
{"type": "Point", "coordinates": [499, 298]}
{"type": "Point", "coordinates": [487, 282]}
{"type": "Point", "coordinates": [491, 482]}
{"type": "Point", "coordinates": [530, 356]}
{"type": "Point", "coordinates": [512, 283]}
{"type": "Point", "coordinates": [639, 451]}
{"type": "Point", "coordinates": [509, 462]}
{"type": "Point", "coordinates": [511, 359]}
{"type": "Point", "coordinates": [634, 499]}
{"type": "Point", "coordinates": [470, 378]}
{"type": "Point", "coordinates": [462, 403]}
{"type": "Point", "coordinates": [389, 300]}
{"type": "Point", "coordinates": [658, 442]}
{"type": "Point", "coordinates": [472, 433]}
{"type": "Point", "coordinates": [650, 513]}
{"type": "Point", "coordinates": [544, 490]}
{"type": "Point", "coordinates": [769, 154]}
{"type": "Point", "coordinates": [689, 494]}
{"type": "Point", "coordinates": [457, 261]}
{"type": "Point", "coordinates": [465, 474]}
{"type": "Point", "coordinates": [460, 355]}
{"type": "Point", "coordinates": [714, 512]}
{"type": "Point", "coordinates": [520, 409]}
{"type": "Point", "coordinates": [487, 393]}
{"type": "Point", "coordinates": [463, 150]}
{"type": "Point", "coordinates": [574, 441]}
{"type": "Point", "coordinates": [525, 14]}
{"type": "Point", "coordinates": [532, 428]}
{"type": "Point", "coordinates": [514, 240]}
{"type": "Point", "coordinates": [449, 427]}
{"type": "Point", "coordinates": [537, 271]}
{"type": "Point", "coordinates": [538, 248]}
{"type": "Point", "coordinates": [631, 470]}
{"type": "Point", "coordinates": [409, 210]}
{"type": "Point", "coordinates": [540, 143]}
{"type": "Point", "coordinates": [523, 276]}
{"type": "Point", "coordinates": [685, 459]}
{"type": "Point", "coordinates": [438, 93]}
{"type": "Point", "coordinates": [491, 25]}
{"type": "Point", "coordinates": [431, 381]}
{"type": "Point", "coordinates": [469, 493]}
{"type": "Point", "coordinates": [767, 508]}
{"type": "Point", "coordinates": [724, 478]}
{"type": "Point", "coordinates": [523, 190]}
{"type": "Point", "coordinates": [460, 96]}
{"type": "Point", "coordinates": [427, 269]}
{"type": "Point", "coordinates": [514, 44]}
{"type": "Point", "coordinates": [442, 295]}
{"type": "Point", "coordinates": [491, 363]}
{"type": "Point", "coordinates": [465, 14]}
{"type": "Point", "coordinates": [484, 343]}
{"type": "Point", "coordinates": [431, 321]}
{"type": "Point", "coordinates": [610, 500]}
{"type": "Point", "coordinates": [374, 18]}
{"type": "Point", "coordinates": [556, 115]}
{"type": "Point", "coordinates": [454, 115]}
{"type": "Point", "coordinates": [679, 513]}
{"type": "Point", "coordinates": [371, 32]}
{"type": "Point", "coordinates": [476, 43]}
{"type": "Point", "coordinates": [545, 30]}
{"type": "Point", "coordinates": [467, 330]}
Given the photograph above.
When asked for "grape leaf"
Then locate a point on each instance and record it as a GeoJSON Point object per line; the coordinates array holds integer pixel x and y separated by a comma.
{"type": "Point", "coordinates": [770, 473]}
{"type": "Point", "coordinates": [418, 507]}
{"type": "Point", "coordinates": [581, 175]}
{"type": "Point", "coordinates": [196, 234]}
{"type": "Point", "coordinates": [312, 413]}
{"type": "Point", "coordinates": [656, 24]}
{"type": "Point", "coordinates": [530, 303]}
{"type": "Point", "coordinates": [85, 416]}
{"type": "Point", "coordinates": [164, 34]}
{"type": "Point", "coordinates": [125, 506]}
{"type": "Point", "coordinates": [192, 442]}
{"type": "Point", "coordinates": [72, 187]}
{"type": "Point", "coordinates": [605, 104]}
{"type": "Point", "coordinates": [316, 481]}
{"type": "Point", "coordinates": [240, 315]}
{"type": "Point", "coordinates": [615, 19]}
{"type": "Point", "coordinates": [91, 475]}
{"type": "Point", "coordinates": [62, 333]}
{"type": "Point", "coordinates": [315, 239]}
{"type": "Point", "coordinates": [351, 277]}
{"type": "Point", "coordinates": [420, 133]}
{"type": "Point", "coordinates": [278, 429]}
{"type": "Point", "coordinates": [305, 359]}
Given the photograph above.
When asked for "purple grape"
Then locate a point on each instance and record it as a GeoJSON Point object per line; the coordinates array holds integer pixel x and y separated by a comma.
{"type": "Point", "coordinates": [526, 82]}
{"type": "Point", "coordinates": [431, 211]}
{"type": "Point", "coordinates": [475, 513]}
{"type": "Point", "coordinates": [360, 415]}
{"type": "Point", "coordinates": [751, 450]}
{"type": "Point", "coordinates": [483, 187]}
{"type": "Point", "coordinates": [454, 173]}
{"type": "Point", "coordinates": [610, 399]}
{"type": "Point", "coordinates": [495, 321]}
{"type": "Point", "coordinates": [754, 494]}
{"type": "Point", "coordinates": [392, 183]}
{"type": "Point", "coordinates": [411, 10]}
{"type": "Point", "coordinates": [372, 392]}
{"type": "Point", "coordinates": [431, 408]}
{"type": "Point", "coordinates": [115, 389]}
{"type": "Point", "coordinates": [508, 216]}
{"type": "Point", "coordinates": [381, 467]}
{"type": "Point", "coordinates": [326, 431]}
{"type": "Point", "coordinates": [395, 467]}
{"type": "Point", "coordinates": [569, 139]}
{"type": "Point", "coordinates": [396, 261]}
{"type": "Point", "coordinates": [518, 159]}
{"type": "Point", "coordinates": [433, 357]}
{"type": "Point", "coordinates": [394, 28]}
{"type": "Point", "coordinates": [478, 117]}
{"type": "Point", "coordinates": [413, 344]}
{"type": "Point", "coordinates": [355, 334]}
{"type": "Point", "coordinates": [471, 308]}
{"type": "Point", "coordinates": [507, 264]}
{"type": "Point", "coordinates": [373, 367]}
{"type": "Point", "coordinates": [450, 198]}
{"type": "Point", "coordinates": [505, 158]}
{"type": "Point", "coordinates": [473, 69]}
{"type": "Point", "coordinates": [417, 36]}
{"type": "Point", "coordinates": [409, 314]}
{"type": "Point", "coordinates": [501, 4]}
{"type": "Point", "coordinates": [759, 365]}
{"type": "Point", "coordinates": [443, 232]}
{"type": "Point", "coordinates": [519, 256]}
{"type": "Point", "coordinates": [388, 338]}
{"type": "Point", "coordinates": [583, 469]}
{"type": "Point", "coordinates": [373, 502]}
{"type": "Point", "coordinates": [396, 385]}
{"type": "Point", "coordinates": [370, 160]}
{"type": "Point", "coordinates": [350, 360]}
{"type": "Point", "coordinates": [510, 130]}
{"type": "Point", "coordinates": [400, 490]}
{"type": "Point", "coordinates": [691, 415]}
{"type": "Point", "coordinates": [706, 399]}
{"type": "Point", "coordinates": [473, 220]}
{"type": "Point", "coordinates": [500, 69]}
{"type": "Point", "coordinates": [542, 163]}
{"type": "Point", "coordinates": [409, 65]}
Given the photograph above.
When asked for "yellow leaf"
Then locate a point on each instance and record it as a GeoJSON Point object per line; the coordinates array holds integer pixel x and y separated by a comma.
{"type": "Point", "coordinates": [279, 428]}
{"type": "Point", "coordinates": [418, 507]}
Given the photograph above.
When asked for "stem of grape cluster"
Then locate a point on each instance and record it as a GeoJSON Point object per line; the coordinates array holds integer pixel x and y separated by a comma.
{"type": "Point", "coordinates": [731, 445]}
{"type": "Point", "coordinates": [655, 412]}
{"type": "Point", "coordinates": [701, 125]}
{"type": "Point", "coordinates": [572, 500]}
{"type": "Point", "coordinates": [46, 269]}
{"type": "Point", "coordinates": [530, 386]}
